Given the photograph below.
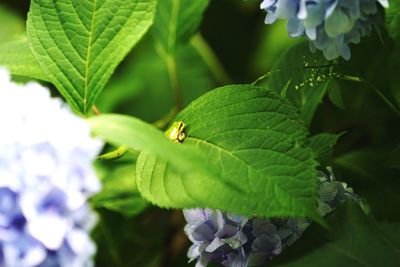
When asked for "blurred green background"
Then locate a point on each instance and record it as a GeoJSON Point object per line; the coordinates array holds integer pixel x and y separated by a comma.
{"type": "Point", "coordinates": [367, 155]}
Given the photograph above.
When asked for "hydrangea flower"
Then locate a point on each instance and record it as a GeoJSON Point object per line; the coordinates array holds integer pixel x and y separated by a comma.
{"type": "Point", "coordinates": [330, 25]}
{"type": "Point", "coordinates": [46, 178]}
{"type": "Point", "coordinates": [237, 241]}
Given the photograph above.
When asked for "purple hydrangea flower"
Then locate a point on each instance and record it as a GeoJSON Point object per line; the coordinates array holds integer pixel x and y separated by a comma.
{"type": "Point", "coordinates": [237, 241]}
{"type": "Point", "coordinates": [46, 178]}
{"type": "Point", "coordinates": [330, 25]}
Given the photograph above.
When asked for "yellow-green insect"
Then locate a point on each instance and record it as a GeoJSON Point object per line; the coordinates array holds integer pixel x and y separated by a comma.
{"type": "Point", "coordinates": [176, 132]}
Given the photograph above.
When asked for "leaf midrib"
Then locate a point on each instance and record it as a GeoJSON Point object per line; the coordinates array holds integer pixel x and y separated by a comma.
{"type": "Point", "coordinates": [88, 54]}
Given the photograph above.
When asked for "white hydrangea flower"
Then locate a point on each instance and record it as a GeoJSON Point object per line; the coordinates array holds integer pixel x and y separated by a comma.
{"type": "Point", "coordinates": [46, 177]}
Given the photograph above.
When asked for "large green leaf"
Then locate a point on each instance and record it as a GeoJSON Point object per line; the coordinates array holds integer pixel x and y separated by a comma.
{"type": "Point", "coordinates": [176, 22]}
{"type": "Point", "coordinates": [141, 136]}
{"type": "Point", "coordinates": [18, 58]}
{"type": "Point", "coordinates": [80, 43]}
{"type": "Point", "coordinates": [355, 240]}
{"type": "Point", "coordinates": [259, 145]}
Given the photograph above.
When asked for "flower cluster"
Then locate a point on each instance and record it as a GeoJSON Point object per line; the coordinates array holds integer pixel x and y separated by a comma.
{"type": "Point", "coordinates": [46, 178]}
{"type": "Point", "coordinates": [330, 25]}
{"type": "Point", "coordinates": [238, 241]}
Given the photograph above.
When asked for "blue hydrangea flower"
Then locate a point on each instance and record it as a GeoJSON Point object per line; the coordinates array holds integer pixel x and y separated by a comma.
{"type": "Point", "coordinates": [237, 241]}
{"type": "Point", "coordinates": [330, 25]}
{"type": "Point", "coordinates": [46, 178]}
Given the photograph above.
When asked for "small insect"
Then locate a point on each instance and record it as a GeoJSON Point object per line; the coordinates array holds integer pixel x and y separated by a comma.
{"type": "Point", "coordinates": [176, 132]}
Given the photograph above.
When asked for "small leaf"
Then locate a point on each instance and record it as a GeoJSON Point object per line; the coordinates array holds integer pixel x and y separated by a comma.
{"type": "Point", "coordinates": [322, 145]}
{"type": "Point", "coordinates": [259, 145]}
{"type": "Point", "coordinates": [302, 77]}
{"type": "Point", "coordinates": [80, 43]}
{"type": "Point", "coordinates": [393, 20]}
{"type": "Point", "coordinates": [335, 95]}
{"type": "Point", "coordinates": [120, 193]}
{"type": "Point", "coordinates": [176, 21]}
{"type": "Point", "coordinates": [356, 240]}
{"type": "Point", "coordinates": [18, 58]}
{"type": "Point", "coordinates": [11, 24]}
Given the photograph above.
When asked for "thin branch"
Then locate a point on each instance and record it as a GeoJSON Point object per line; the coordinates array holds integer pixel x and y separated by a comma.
{"type": "Point", "coordinates": [211, 59]}
{"type": "Point", "coordinates": [96, 110]}
{"type": "Point", "coordinates": [163, 122]}
{"type": "Point", "coordinates": [297, 70]}
{"type": "Point", "coordinates": [375, 90]}
{"type": "Point", "coordinates": [170, 61]}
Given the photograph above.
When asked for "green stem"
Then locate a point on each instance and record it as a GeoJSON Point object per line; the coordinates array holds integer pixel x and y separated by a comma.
{"type": "Point", "coordinates": [375, 90]}
{"type": "Point", "coordinates": [212, 61]}
{"type": "Point", "coordinates": [265, 76]}
{"type": "Point", "coordinates": [297, 70]}
{"type": "Point", "coordinates": [163, 122]}
{"type": "Point", "coordinates": [173, 77]}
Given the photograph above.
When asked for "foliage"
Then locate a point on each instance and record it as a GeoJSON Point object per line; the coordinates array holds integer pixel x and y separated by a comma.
{"type": "Point", "coordinates": [252, 146]}
{"type": "Point", "coordinates": [79, 44]}
{"type": "Point", "coordinates": [354, 240]}
{"type": "Point", "coordinates": [231, 124]}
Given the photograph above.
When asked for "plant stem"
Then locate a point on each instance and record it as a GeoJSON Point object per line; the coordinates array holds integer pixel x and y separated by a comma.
{"type": "Point", "coordinates": [96, 110]}
{"type": "Point", "coordinates": [266, 75]}
{"type": "Point", "coordinates": [210, 59]}
{"type": "Point", "coordinates": [173, 77]}
{"type": "Point", "coordinates": [297, 70]}
{"type": "Point", "coordinates": [163, 122]}
{"type": "Point", "coordinates": [375, 90]}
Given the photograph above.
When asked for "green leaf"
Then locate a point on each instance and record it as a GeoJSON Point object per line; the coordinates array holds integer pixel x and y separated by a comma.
{"type": "Point", "coordinates": [371, 169]}
{"type": "Point", "coordinates": [134, 89]}
{"type": "Point", "coordinates": [80, 43]}
{"type": "Point", "coordinates": [11, 24]}
{"type": "Point", "coordinates": [335, 95]}
{"type": "Point", "coordinates": [393, 20]}
{"type": "Point", "coordinates": [302, 77]}
{"type": "Point", "coordinates": [18, 58]}
{"type": "Point", "coordinates": [176, 21]}
{"type": "Point", "coordinates": [355, 240]}
{"type": "Point", "coordinates": [365, 162]}
{"type": "Point", "coordinates": [138, 135]}
{"type": "Point", "coordinates": [120, 193]}
{"type": "Point", "coordinates": [322, 145]}
{"type": "Point", "coordinates": [123, 241]}
{"type": "Point", "coordinates": [259, 145]}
